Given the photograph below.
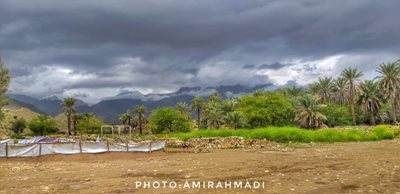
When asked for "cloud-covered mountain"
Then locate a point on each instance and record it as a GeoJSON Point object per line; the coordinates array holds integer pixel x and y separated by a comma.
{"type": "Point", "coordinates": [109, 108]}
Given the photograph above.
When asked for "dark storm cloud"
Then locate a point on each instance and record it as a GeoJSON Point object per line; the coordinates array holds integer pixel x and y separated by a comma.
{"type": "Point", "coordinates": [167, 44]}
{"type": "Point", "coordinates": [272, 66]}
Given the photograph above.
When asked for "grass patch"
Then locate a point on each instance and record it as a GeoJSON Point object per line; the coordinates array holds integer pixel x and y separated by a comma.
{"type": "Point", "coordinates": [294, 134]}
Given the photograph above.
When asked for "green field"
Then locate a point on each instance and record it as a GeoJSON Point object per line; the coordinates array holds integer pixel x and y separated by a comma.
{"type": "Point", "coordinates": [294, 134]}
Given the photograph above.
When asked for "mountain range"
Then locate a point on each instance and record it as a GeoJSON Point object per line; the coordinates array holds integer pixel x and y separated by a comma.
{"type": "Point", "coordinates": [109, 108]}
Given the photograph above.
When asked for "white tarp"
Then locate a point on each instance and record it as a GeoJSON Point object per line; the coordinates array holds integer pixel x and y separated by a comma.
{"type": "Point", "coordinates": [38, 149]}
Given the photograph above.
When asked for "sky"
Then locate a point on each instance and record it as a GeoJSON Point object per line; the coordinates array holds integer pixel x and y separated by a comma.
{"type": "Point", "coordinates": [97, 48]}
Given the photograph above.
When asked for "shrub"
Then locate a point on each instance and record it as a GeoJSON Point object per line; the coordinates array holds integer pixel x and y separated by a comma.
{"type": "Point", "coordinates": [18, 125]}
{"type": "Point", "coordinates": [337, 115]}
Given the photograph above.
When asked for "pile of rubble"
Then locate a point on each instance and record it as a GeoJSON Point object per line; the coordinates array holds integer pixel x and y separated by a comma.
{"type": "Point", "coordinates": [226, 143]}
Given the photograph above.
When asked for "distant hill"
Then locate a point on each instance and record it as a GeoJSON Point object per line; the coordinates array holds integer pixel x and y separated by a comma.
{"type": "Point", "coordinates": [109, 108]}
{"type": "Point", "coordinates": [10, 112]}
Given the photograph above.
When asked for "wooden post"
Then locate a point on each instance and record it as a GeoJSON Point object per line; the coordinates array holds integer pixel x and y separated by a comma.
{"type": "Point", "coordinates": [119, 130]}
{"type": "Point", "coordinates": [127, 146]}
{"type": "Point", "coordinates": [6, 149]}
{"type": "Point", "coordinates": [40, 149]}
{"type": "Point", "coordinates": [151, 142]}
{"type": "Point", "coordinates": [80, 146]}
{"type": "Point", "coordinates": [101, 132]}
{"type": "Point", "coordinates": [130, 131]}
{"type": "Point", "coordinates": [165, 146]}
{"type": "Point", "coordinates": [108, 146]}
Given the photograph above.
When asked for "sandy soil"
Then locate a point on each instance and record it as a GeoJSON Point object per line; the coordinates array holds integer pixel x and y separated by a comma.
{"type": "Point", "coordinates": [330, 168]}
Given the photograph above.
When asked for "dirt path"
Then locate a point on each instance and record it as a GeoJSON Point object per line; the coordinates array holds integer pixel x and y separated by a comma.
{"type": "Point", "coordinates": [332, 168]}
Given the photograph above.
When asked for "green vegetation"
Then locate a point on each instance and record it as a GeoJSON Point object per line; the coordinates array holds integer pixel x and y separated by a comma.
{"type": "Point", "coordinates": [89, 124]}
{"type": "Point", "coordinates": [169, 120]}
{"type": "Point", "coordinates": [266, 108]}
{"type": "Point", "coordinates": [18, 125]}
{"type": "Point", "coordinates": [68, 108]}
{"type": "Point", "coordinates": [42, 125]}
{"type": "Point", "coordinates": [294, 134]}
{"type": "Point", "coordinates": [4, 83]}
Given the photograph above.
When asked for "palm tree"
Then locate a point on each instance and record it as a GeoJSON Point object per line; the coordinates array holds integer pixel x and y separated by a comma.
{"type": "Point", "coordinates": [308, 115]}
{"type": "Point", "coordinates": [389, 83]}
{"type": "Point", "coordinates": [197, 105]}
{"type": "Point", "coordinates": [182, 107]}
{"type": "Point", "coordinates": [352, 76]}
{"type": "Point", "coordinates": [68, 108]}
{"type": "Point", "coordinates": [126, 118]}
{"type": "Point", "coordinates": [140, 110]}
{"type": "Point", "coordinates": [235, 120]}
{"type": "Point", "coordinates": [293, 92]}
{"type": "Point", "coordinates": [76, 118]}
{"type": "Point", "coordinates": [214, 114]}
{"type": "Point", "coordinates": [324, 88]}
{"type": "Point", "coordinates": [369, 99]}
{"type": "Point", "coordinates": [340, 90]}
{"type": "Point", "coordinates": [228, 106]}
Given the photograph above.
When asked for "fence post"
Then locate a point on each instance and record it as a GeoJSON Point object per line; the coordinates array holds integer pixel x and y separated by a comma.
{"type": "Point", "coordinates": [108, 146]}
{"type": "Point", "coordinates": [40, 149]}
{"type": "Point", "coordinates": [80, 146]}
{"type": "Point", "coordinates": [165, 146]}
{"type": "Point", "coordinates": [151, 142]}
{"type": "Point", "coordinates": [127, 147]}
{"type": "Point", "coordinates": [6, 149]}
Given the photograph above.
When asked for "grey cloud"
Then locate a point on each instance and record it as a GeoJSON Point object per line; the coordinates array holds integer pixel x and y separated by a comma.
{"type": "Point", "coordinates": [176, 43]}
{"type": "Point", "coordinates": [273, 66]}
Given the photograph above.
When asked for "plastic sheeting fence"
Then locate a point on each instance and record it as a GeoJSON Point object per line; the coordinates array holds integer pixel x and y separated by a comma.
{"type": "Point", "coordinates": [8, 149]}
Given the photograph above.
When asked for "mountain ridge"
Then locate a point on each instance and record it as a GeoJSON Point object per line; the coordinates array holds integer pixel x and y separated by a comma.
{"type": "Point", "coordinates": [110, 107]}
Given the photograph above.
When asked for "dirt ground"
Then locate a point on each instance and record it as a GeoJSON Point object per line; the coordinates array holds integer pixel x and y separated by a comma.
{"type": "Point", "coordinates": [368, 167]}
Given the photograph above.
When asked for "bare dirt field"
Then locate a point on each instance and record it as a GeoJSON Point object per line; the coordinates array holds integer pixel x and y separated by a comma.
{"type": "Point", "coordinates": [367, 167]}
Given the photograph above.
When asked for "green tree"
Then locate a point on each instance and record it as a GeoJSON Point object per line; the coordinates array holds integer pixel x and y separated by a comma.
{"type": "Point", "coordinates": [140, 111]}
{"type": "Point", "coordinates": [340, 90]}
{"type": "Point", "coordinates": [214, 114]}
{"type": "Point", "coordinates": [4, 83]}
{"type": "Point", "coordinates": [308, 114]}
{"type": "Point", "coordinates": [197, 105]}
{"type": "Point", "coordinates": [76, 118]}
{"type": "Point", "coordinates": [126, 118]}
{"type": "Point", "coordinates": [389, 83]}
{"type": "Point", "coordinates": [18, 125]}
{"type": "Point", "coordinates": [42, 125]}
{"type": "Point", "coordinates": [235, 120]}
{"type": "Point", "coordinates": [324, 89]}
{"type": "Point", "coordinates": [214, 97]}
{"type": "Point", "coordinates": [352, 76]}
{"type": "Point", "coordinates": [266, 108]}
{"type": "Point", "coordinates": [68, 108]}
{"type": "Point", "coordinates": [90, 124]}
{"type": "Point", "coordinates": [370, 99]}
{"type": "Point", "coordinates": [336, 114]}
{"type": "Point", "coordinates": [183, 108]}
{"type": "Point", "coordinates": [167, 119]}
